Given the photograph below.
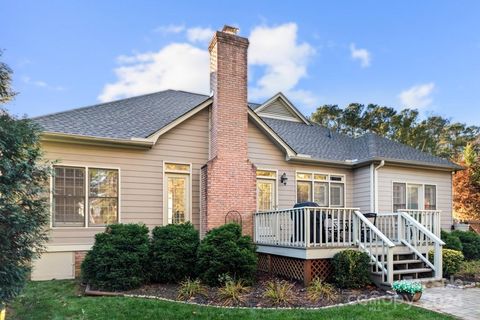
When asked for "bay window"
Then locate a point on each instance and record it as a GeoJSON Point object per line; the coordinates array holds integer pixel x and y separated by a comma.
{"type": "Point", "coordinates": [414, 196]}
{"type": "Point", "coordinates": [73, 197]}
{"type": "Point", "coordinates": [324, 189]}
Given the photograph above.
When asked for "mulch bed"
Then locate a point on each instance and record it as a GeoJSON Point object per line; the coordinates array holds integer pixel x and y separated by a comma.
{"type": "Point", "coordinates": [254, 298]}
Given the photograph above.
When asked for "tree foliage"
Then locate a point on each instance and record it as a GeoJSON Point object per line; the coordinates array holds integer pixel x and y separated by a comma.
{"type": "Point", "coordinates": [434, 134]}
{"type": "Point", "coordinates": [466, 185]}
{"type": "Point", "coordinates": [6, 92]}
{"type": "Point", "coordinates": [23, 202]}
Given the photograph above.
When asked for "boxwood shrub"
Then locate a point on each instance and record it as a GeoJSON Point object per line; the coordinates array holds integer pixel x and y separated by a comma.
{"type": "Point", "coordinates": [173, 252]}
{"type": "Point", "coordinates": [118, 258]}
{"type": "Point", "coordinates": [452, 260]}
{"type": "Point", "coordinates": [470, 244]}
{"type": "Point", "coordinates": [451, 240]}
{"type": "Point", "coordinates": [225, 252]}
{"type": "Point", "coordinates": [351, 269]}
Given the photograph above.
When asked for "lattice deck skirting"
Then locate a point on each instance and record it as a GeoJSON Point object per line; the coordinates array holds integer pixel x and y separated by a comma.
{"type": "Point", "coordinates": [296, 269]}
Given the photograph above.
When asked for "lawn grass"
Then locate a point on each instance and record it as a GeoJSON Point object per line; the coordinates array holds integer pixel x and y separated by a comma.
{"type": "Point", "coordinates": [62, 300]}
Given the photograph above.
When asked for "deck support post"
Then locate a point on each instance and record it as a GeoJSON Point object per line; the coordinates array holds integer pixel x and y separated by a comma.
{"type": "Point", "coordinates": [307, 272]}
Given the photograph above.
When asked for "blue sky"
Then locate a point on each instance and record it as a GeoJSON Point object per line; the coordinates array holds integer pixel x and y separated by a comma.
{"type": "Point", "coordinates": [426, 54]}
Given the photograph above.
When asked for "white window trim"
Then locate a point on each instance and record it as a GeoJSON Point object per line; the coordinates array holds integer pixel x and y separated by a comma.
{"type": "Point", "coordinates": [312, 180]}
{"type": "Point", "coordinates": [423, 184]}
{"type": "Point", "coordinates": [269, 178]}
{"type": "Point", "coordinates": [165, 191]}
{"type": "Point", "coordinates": [85, 226]}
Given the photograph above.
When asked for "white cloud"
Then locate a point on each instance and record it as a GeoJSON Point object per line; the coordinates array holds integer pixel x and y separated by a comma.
{"type": "Point", "coordinates": [284, 59]}
{"type": "Point", "coordinates": [41, 84]}
{"type": "Point", "coordinates": [199, 34]}
{"type": "Point", "coordinates": [418, 96]}
{"type": "Point", "coordinates": [360, 54]}
{"type": "Point", "coordinates": [185, 66]}
{"type": "Point", "coordinates": [171, 28]}
{"type": "Point", "coordinates": [176, 66]}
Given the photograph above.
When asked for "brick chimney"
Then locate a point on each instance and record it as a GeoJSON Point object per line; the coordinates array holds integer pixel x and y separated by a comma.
{"type": "Point", "coordinates": [229, 178]}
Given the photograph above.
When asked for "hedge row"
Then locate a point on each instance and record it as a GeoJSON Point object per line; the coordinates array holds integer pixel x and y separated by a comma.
{"type": "Point", "coordinates": [124, 257]}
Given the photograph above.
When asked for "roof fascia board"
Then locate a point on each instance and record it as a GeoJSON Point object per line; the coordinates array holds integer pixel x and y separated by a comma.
{"type": "Point", "coordinates": [287, 102]}
{"type": "Point", "coordinates": [290, 152]}
{"type": "Point", "coordinates": [154, 136]}
{"type": "Point", "coordinates": [100, 141]}
{"type": "Point", "coordinates": [410, 164]}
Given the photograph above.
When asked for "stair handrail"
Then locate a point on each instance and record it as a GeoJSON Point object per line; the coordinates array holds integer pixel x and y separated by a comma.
{"type": "Point", "coordinates": [385, 266]}
{"type": "Point", "coordinates": [407, 239]}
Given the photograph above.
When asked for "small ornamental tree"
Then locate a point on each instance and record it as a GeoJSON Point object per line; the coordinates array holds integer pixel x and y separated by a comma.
{"type": "Point", "coordinates": [466, 187]}
{"type": "Point", "coordinates": [24, 212]}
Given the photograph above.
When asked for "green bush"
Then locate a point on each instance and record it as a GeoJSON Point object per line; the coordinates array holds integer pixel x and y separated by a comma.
{"type": "Point", "coordinates": [470, 270]}
{"type": "Point", "coordinates": [118, 258]}
{"type": "Point", "coordinates": [452, 260]}
{"type": "Point", "coordinates": [470, 243]}
{"type": "Point", "coordinates": [451, 241]}
{"type": "Point", "coordinates": [224, 251]}
{"type": "Point", "coordinates": [173, 252]}
{"type": "Point", "coordinates": [351, 269]}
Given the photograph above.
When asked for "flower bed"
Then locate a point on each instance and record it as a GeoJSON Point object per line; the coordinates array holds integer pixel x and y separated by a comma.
{"type": "Point", "coordinates": [255, 296]}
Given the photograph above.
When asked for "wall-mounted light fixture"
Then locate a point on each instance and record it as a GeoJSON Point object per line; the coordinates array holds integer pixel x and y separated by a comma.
{"type": "Point", "coordinates": [283, 179]}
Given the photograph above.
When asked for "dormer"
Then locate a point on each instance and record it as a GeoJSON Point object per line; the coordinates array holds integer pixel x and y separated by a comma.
{"type": "Point", "coordinates": [279, 107]}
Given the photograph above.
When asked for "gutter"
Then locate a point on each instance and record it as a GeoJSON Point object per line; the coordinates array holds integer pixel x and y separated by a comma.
{"type": "Point", "coordinates": [376, 183]}
{"type": "Point", "coordinates": [138, 143]}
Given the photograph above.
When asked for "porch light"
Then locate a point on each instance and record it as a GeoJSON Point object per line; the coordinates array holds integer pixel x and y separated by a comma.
{"type": "Point", "coordinates": [283, 179]}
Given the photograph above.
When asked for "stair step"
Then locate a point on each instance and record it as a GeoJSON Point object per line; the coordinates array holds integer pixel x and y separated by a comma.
{"type": "Point", "coordinates": [407, 271]}
{"type": "Point", "coordinates": [407, 261]}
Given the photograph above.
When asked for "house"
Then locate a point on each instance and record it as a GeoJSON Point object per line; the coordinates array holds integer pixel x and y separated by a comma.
{"type": "Point", "coordinates": [175, 156]}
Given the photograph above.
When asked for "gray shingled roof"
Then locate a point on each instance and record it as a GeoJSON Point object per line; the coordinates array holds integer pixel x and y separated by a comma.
{"type": "Point", "coordinates": [136, 117]}
{"type": "Point", "coordinates": [139, 117]}
{"type": "Point", "coordinates": [324, 144]}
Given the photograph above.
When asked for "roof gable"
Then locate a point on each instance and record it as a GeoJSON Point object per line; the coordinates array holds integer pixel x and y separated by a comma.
{"type": "Point", "coordinates": [279, 107]}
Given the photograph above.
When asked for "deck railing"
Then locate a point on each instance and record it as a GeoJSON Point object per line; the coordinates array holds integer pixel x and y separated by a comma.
{"type": "Point", "coordinates": [376, 244]}
{"type": "Point", "coordinates": [305, 227]}
{"type": "Point", "coordinates": [419, 239]}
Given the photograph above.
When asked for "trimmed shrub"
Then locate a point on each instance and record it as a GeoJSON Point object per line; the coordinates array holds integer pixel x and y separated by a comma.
{"type": "Point", "coordinates": [470, 270]}
{"type": "Point", "coordinates": [452, 260]}
{"type": "Point", "coordinates": [470, 243]}
{"type": "Point", "coordinates": [351, 269]}
{"type": "Point", "coordinates": [225, 252]}
{"type": "Point", "coordinates": [451, 241]}
{"type": "Point", "coordinates": [173, 252]}
{"type": "Point", "coordinates": [118, 258]}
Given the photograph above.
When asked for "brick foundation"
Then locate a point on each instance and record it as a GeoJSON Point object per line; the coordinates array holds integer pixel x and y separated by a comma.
{"type": "Point", "coordinates": [79, 256]}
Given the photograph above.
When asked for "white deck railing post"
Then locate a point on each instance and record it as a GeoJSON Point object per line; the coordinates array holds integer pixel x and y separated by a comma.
{"type": "Point", "coordinates": [306, 219]}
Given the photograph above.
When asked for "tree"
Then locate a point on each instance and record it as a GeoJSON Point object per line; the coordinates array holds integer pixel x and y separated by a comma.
{"type": "Point", "coordinates": [23, 203]}
{"type": "Point", "coordinates": [466, 185]}
{"type": "Point", "coordinates": [6, 92]}
{"type": "Point", "coordinates": [435, 134]}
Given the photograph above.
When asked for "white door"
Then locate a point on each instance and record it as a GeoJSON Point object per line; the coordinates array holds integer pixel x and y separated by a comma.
{"type": "Point", "coordinates": [178, 195]}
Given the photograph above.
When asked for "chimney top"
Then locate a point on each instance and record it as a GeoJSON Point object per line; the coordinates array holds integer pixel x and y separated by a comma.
{"type": "Point", "coordinates": [230, 29]}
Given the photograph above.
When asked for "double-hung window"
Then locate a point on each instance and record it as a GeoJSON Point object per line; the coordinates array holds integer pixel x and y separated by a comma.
{"type": "Point", "coordinates": [327, 190]}
{"type": "Point", "coordinates": [84, 197]}
{"type": "Point", "coordinates": [414, 196]}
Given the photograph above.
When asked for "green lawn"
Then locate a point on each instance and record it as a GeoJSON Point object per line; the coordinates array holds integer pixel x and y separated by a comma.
{"type": "Point", "coordinates": [61, 300]}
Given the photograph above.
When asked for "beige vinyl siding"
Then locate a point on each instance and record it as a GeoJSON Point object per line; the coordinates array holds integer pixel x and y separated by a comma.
{"type": "Point", "coordinates": [141, 177]}
{"type": "Point", "coordinates": [362, 189]}
{"type": "Point", "coordinates": [442, 179]}
{"type": "Point", "coordinates": [264, 154]}
{"type": "Point", "coordinates": [278, 109]}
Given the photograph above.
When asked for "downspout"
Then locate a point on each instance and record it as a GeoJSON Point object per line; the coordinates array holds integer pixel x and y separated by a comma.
{"type": "Point", "coordinates": [382, 163]}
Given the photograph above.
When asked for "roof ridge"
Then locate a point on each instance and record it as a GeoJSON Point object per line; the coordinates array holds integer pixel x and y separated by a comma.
{"type": "Point", "coordinates": [113, 101]}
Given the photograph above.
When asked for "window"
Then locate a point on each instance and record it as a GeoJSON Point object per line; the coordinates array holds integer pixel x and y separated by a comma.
{"type": "Point", "coordinates": [414, 196]}
{"type": "Point", "coordinates": [325, 190]}
{"type": "Point", "coordinates": [399, 198]}
{"type": "Point", "coordinates": [102, 197]}
{"type": "Point", "coordinates": [72, 197]}
{"type": "Point", "coordinates": [178, 195]}
{"type": "Point", "coordinates": [266, 190]}
{"type": "Point", "coordinates": [430, 197]}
